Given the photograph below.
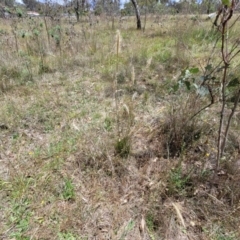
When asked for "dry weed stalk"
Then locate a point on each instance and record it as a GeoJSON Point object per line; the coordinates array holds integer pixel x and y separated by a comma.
{"type": "Point", "coordinates": [133, 76]}
{"type": "Point", "coordinates": [118, 39]}
{"type": "Point", "coordinates": [14, 32]}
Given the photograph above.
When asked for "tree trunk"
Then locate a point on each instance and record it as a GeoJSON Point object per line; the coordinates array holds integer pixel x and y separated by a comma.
{"type": "Point", "coordinates": [77, 8]}
{"type": "Point", "coordinates": [135, 5]}
{"type": "Point", "coordinates": [208, 6]}
{"type": "Point", "coordinates": [83, 5]}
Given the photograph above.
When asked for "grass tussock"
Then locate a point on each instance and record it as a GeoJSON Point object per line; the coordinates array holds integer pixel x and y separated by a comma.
{"type": "Point", "coordinates": [179, 129]}
{"type": "Point", "coordinates": [94, 142]}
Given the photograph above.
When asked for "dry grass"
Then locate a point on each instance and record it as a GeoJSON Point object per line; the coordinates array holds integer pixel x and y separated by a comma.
{"type": "Point", "coordinates": [61, 175]}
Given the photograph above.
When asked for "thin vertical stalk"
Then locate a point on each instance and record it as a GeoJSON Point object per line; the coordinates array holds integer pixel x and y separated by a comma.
{"type": "Point", "coordinates": [47, 31]}
{"type": "Point", "coordinates": [14, 31]}
{"type": "Point", "coordinates": [118, 43]}
{"type": "Point", "coordinates": [145, 17]}
{"type": "Point", "coordinates": [220, 130]}
{"type": "Point", "coordinates": [237, 98]}
{"type": "Point", "coordinates": [227, 12]}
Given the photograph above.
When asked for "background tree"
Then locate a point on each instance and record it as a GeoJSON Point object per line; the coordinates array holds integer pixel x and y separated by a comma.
{"type": "Point", "coordinates": [137, 12]}
{"type": "Point", "coordinates": [208, 6]}
{"type": "Point", "coordinates": [32, 5]}
{"type": "Point", "coordinates": [8, 3]}
{"type": "Point", "coordinates": [79, 7]}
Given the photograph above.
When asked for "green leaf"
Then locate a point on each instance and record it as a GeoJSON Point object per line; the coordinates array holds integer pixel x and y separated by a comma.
{"type": "Point", "coordinates": [208, 67]}
{"type": "Point", "coordinates": [187, 74]}
{"type": "Point", "coordinates": [188, 85]}
{"type": "Point", "coordinates": [226, 2]}
{"type": "Point", "coordinates": [193, 70]}
{"type": "Point", "coordinates": [202, 91]}
{"type": "Point", "coordinates": [220, 69]}
{"type": "Point", "coordinates": [130, 225]}
{"type": "Point", "coordinates": [233, 83]}
{"type": "Point", "coordinates": [36, 32]}
{"type": "Point", "coordinates": [175, 87]}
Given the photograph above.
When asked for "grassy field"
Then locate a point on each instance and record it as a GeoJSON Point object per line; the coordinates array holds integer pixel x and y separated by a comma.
{"type": "Point", "coordinates": [97, 139]}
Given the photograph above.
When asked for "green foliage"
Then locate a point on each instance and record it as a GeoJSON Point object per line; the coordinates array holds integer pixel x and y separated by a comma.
{"type": "Point", "coordinates": [20, 217]}
{"type": "Point", "coordinates": [128, 9]}
{"type": "Point", "coordinates": [2, 32]}
{"type": "Point", "coordinates": [233, 83]}
{"type": "Point", "coordinates": [55, 33]}
{"type": "Point", "coordinates": [188, 80]}
{"type": "Point", "coordinates": [19, 186]}
{"type": "Point", "coordinates": [68, 190]}
{"type": "Point", "coordinates": [200, 35]}
{"type": "Point", "coordinates": [177, 181]}
{"type": "Point", "coordinates": [108, 124]}
{"type": "Point", "coordinates": [226, 2]}
{"type": "Point", "coordinates": [150, 222]}
{"type": "Point", "coordinates": [44, 68]}
{"type": "Point", "coordinates": [163, 56]}
{"type": "Point", "coordinates": [121, 78]}
{"type": "Point", "coordinates": [36, 32]}
{"type": "Point", "coordinates": [19, 12]}
{"type": "Point", "coordinates": [123, 146]}
{"type": "Point", "coordinates": [127, 229]}
{"type": "Point", "coordinates": [219, 233]}
{"type": "Point", "coordinates": [67, 236]}
{"type": "Point", "coordinates": [10, 72]}
{"type": "Point", "coordinates": [98, 10]}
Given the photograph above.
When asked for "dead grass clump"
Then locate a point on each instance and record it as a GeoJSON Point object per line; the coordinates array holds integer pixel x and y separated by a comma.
{"type": "Point", "coordinates": [87, 162]}
{"type": "Point", "coordinates": [178, 131]}
{"type": "Point", "coordinates": [228, 181]}
{"type": "Point", "coordinates": [9, 76]}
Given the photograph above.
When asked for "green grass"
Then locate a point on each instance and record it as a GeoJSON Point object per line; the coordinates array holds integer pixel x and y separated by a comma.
{"type": "Point", "coordinates": [68, 190]}
{"type": "Point", "coordinates": [19, 218]}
